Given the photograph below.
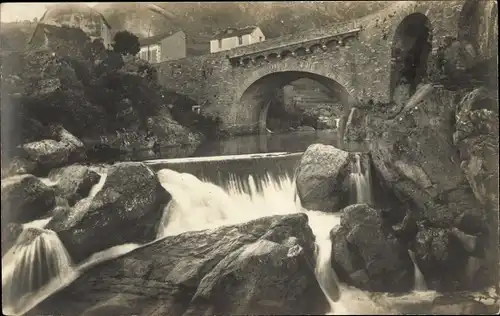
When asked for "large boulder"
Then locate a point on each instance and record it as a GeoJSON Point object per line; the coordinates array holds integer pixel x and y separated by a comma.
{"type": "Point", "coordinates": [418, 160]}
{"type": "Point", "coordinates": [127, 209]}
{"type": "Point", "coordinates": [261, 267]}
{"type": "Point", "coordinates": [62, 150]}
{"type": "Point", "coordinates": [322, 177]}
{"type": "Point", "coordinates": [74, 182]}
{"type": "Point", "coordinates": [25, 198]}
{"type": "Point", "coordinates": [367, 254]}
{"type": "Point", "coordinates": [476, 136]}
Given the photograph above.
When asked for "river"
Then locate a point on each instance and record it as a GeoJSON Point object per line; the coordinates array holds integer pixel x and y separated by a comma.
{"type": "Point", "coordinates": [291, 142]}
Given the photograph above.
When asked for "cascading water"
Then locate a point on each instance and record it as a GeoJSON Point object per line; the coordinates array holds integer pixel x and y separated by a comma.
{"type": "Point", "coordinates": [360, 182]}
{"type": "Point", "coordinates": [29, 266]}
{"type": "Point", "coordinates": [200, 204]}
{"type": "Point", "coordinates": [38, 264]}
{"type": "Point", "coordinates": [420, 284]}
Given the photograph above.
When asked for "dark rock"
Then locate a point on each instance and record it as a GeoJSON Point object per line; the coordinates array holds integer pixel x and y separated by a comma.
{"type": "Point", "coordinates": [322, 178]}
{"type": "Point", "coordinates": [25, 198]}
{"type": "Point", "coordinates": [420, 163]}
{"type": "Point", "coordinates": [476, 136]}
{"type": "Point", "coordinates": [367, 255]}
{"type": "Point", "coordinates": [10, 233]}
{"type": "Point", "coordinates": [442, 258]}
{"type": "Point", "coordinates": [260, 267]}
{"type": "Point", "coordinates": [74, 182]}
{"type": "Point", "coordinates": [422, 166]}
{"type": "Point", "coordinates": [126, 210]}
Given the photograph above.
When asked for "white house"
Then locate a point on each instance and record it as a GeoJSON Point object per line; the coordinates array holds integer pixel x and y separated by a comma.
{"type": "Point", "coordinates": [167, 46]}
{"type": "Point", "coordinates": [232, 38]}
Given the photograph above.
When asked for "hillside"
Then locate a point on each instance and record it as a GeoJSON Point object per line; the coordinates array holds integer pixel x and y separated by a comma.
{"type": "Point", "coordinates": [201, 20]}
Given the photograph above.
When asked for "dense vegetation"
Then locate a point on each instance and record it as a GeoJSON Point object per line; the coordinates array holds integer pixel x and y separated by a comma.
{"type": "Point", "coordinates": [92, 92]}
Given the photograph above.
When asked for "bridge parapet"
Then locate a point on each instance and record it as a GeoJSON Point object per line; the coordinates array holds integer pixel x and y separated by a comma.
{"type": "Point", "coordinates": [293, 49]}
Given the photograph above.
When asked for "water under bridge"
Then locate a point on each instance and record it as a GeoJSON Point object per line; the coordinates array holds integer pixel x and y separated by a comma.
{"type": "Point", "coordinates": [356, 60]}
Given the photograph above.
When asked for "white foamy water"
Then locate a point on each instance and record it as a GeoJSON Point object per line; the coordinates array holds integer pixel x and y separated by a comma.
{"type": "Point", "coordinates": [419, 283]}
{"type": "Point", "coordinates": [200, 204]}
{"type": "Point", "coordinates": [360, 180]}
{"type": "Point", "coordinates": [37, 259]}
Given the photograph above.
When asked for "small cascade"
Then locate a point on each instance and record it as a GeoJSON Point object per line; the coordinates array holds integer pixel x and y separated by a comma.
{"type": "Point", "coordinates": [321, 224]}
{"type": "Point", "coordinates": [37, 259]}
{"type": "Point", "coordinates": [198, 204]}
{"type": "Point", "coordinates": [419, 284]}
{"type": "Point", "coordinates": [360, 183]}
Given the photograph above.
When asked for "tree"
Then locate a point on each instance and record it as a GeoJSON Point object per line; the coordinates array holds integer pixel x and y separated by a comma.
{"type": "Point", "coordinates": [125, 43]}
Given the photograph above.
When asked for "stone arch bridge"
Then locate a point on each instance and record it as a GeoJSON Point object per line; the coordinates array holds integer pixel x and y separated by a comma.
{"type": "Point", "coordinates": [354, 59]}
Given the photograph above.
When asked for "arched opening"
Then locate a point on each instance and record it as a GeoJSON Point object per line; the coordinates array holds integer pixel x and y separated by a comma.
{"type": "Point", "coordinates": [246, 61]}
{"type": "Point", "coordinates": [332, 44]}
{"type": "Point", "coordinates": [315, 48]}
{"type": "Point", "coordinates": [269, 104]}
{"type": "Point", "coordinates": [286, 54]}
{"type": "Point", "coordinates": [301, 51]}
{"type": "Point", "coordinates": [259, 60]}
{"type": "Point", "coordinates": [411, 46]}
{"type": "Point", "coordinates": [272, 57]}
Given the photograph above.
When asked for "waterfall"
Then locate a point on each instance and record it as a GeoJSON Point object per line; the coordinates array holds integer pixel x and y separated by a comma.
{"type": "Point", "coordinates": [37, 258]}
{"type": "Point", "coordinates": [199, 204]}
{"type": "Point", "coordinates": [419, 284]}
{"type": "Point", "coordinates": [38, 264]}
{"type": "Point", "coordinates": [360, 183]}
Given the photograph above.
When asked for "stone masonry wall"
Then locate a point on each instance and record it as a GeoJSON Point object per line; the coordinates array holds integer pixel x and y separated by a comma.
{"type": "Point", "coordinates": [362, 66]}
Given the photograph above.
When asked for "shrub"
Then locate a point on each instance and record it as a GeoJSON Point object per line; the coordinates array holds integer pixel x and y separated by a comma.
{"type": "Point", "coordinates": [125, 43]}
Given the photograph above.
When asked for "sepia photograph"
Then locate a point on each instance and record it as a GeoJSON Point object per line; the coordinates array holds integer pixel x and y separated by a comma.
{"type": "Point", "coordinates": [249, 158]}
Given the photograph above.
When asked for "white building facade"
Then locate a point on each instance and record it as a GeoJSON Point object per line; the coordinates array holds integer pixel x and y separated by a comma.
{"type": "Point", "coordinates": [232, 38]}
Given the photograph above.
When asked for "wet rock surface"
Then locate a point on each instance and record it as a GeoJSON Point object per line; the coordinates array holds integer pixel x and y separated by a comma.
{"type": "Point", "coordinates": [367, 254]}
{"type": "Point", "coordinates": [418, 158]}
{"type": "Point", "coordinates": [74, 182]}
{"type": "Point", "coordinates": [261, 267]}
{"type": "Point", "coordinates": [25, 198]}
{"type": "Point", "coordinates": [127, 209]}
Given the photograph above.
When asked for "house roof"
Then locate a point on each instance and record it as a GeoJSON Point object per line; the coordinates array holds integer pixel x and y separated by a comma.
{"type": "Point", "coordinates": [157, 38]}
{"type": "Point", "coordinates": [63, 32]}
{"type": "Point", "coordinates": [231, 32]}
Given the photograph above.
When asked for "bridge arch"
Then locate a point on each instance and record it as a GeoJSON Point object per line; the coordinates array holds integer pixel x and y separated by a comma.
{"type": "Point", "coordinates": [256, 99]}
{"type": "Point", "coordinates": [411, 46]}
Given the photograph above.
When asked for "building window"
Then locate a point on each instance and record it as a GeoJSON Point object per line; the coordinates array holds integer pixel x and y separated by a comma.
{"type": "Point", "coordinates": [144, 55]}
{"type": "Point", "coordinates": [220, 43]}
{"type": "Point", "coordinates": [260, 38]}
{"type": "Point", "coordinates": [240, 40]}
{"type": "Point", "coordinates": [196, 109]}
{"type": "Point", "coordinates": [153, 56]}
